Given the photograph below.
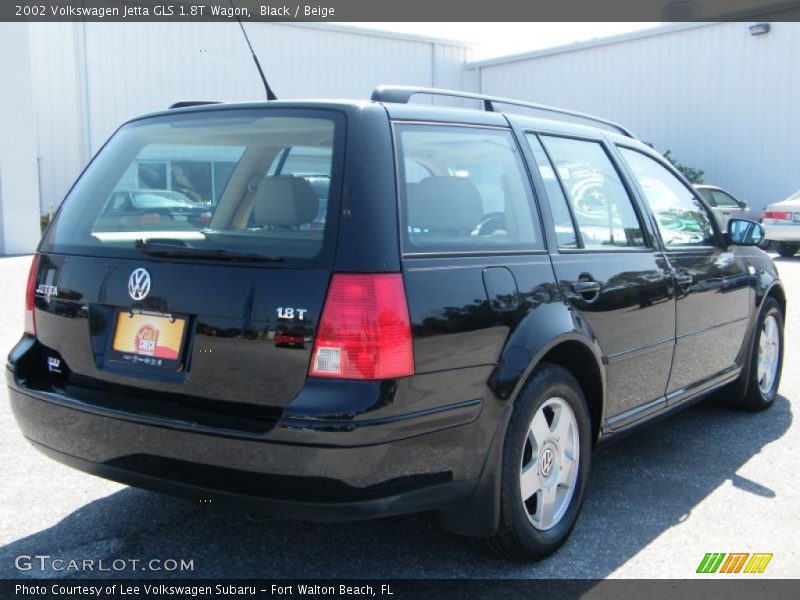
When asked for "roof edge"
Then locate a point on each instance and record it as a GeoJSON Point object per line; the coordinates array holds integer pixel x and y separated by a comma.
{"type": "Point", "coordinates": [381, 33]}
{"type": "Point", "coordinates": [588, 44]}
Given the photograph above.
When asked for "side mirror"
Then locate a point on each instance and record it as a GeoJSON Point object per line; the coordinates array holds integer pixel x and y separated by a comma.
{"type": "Point", "coordinates": [745, 233]}
{"type": "Point", "coordinates": [742, 204]}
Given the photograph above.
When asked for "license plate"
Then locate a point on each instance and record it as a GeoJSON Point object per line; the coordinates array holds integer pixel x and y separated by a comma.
{"type": "Point", "coordinates": [148, 338]}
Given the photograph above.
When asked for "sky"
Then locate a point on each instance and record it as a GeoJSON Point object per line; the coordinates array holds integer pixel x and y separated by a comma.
{"type": "Point", "coordinates": [499, 39]}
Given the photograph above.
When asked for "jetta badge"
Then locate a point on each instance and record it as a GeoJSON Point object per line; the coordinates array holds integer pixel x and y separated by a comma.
{"type": "Point", "coordinates": [139, 284]}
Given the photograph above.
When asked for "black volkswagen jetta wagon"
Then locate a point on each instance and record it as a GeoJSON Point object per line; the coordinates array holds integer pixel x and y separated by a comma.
{"type": "Point", "coordinates": [344, 310]}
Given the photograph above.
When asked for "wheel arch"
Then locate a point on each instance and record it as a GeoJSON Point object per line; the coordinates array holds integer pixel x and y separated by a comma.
{"type": "Point", "coordinates": [583, 360]}
{"type": "Point", "coordinates": [776, 291]}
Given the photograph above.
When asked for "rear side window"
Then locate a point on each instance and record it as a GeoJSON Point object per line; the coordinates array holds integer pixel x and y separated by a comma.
{"type": "Point", "coordinates": [600, 204]}
{"type": "Point", "coordinates": [705, 193]}
{"type": "Point", "coordinates": [248, 182]}
{"type": "Point", "coordinates": [463, 189]}
{"type": "Point", "coordinates": [562, 219]}
{"type": "Point", "coordinates": [723, 199]}
{"type": "Point", "coordinates": [681, 218]}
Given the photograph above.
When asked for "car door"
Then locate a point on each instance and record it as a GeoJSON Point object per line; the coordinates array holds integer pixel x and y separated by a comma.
{"type": "Point", "coordinates": [733, 208]}
{"type": "Point", "coordinates": [609, 269]}
{"type": "Point", "coordinates": [726, 207]}
{"type": "Point", "coordinates": [713, 283]}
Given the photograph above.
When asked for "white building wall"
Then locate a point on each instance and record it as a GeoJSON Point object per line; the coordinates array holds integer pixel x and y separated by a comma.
{"type": "Point", "coordinates": [19, 188]}
{"type": "Point", "coordinates": [719, 98]}
{"type": "Point", "coordinates": [92, 77]}
{"type": "Point", "coordinates": [57, 100]}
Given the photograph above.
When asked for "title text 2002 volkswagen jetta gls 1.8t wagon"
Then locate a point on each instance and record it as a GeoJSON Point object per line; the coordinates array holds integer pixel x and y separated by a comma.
{"type": "Point", "coordinates": [343, 310]}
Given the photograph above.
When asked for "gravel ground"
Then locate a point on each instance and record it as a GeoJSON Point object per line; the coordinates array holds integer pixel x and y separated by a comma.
{"type": "Point", "coordinates": [710, 479]}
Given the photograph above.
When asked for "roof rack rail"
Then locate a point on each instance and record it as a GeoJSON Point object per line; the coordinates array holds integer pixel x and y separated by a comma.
{"type": "Point", "coordinates": [188, 103]}
{"type": "Point", "coordinates": [401, 94]}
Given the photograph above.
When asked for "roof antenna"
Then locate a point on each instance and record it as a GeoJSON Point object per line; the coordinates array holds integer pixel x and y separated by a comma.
{"type": "Point", "coordinates": [270, 94]}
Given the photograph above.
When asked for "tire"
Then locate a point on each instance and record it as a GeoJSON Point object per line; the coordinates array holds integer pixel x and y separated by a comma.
{"type": "Point", "coordinates": [525, 532]}
{"type": "Point", "coordinates": [785, 249]}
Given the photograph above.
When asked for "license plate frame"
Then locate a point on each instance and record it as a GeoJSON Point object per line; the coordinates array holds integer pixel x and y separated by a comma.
{"type": "Point", "coordinates": [148, 341]}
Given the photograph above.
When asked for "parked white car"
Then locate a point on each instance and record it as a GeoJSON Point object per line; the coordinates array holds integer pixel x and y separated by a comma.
{"type": "Point", "coordinates": [725, 206]}
{"type": "Point", "coordinates": [782, 225]}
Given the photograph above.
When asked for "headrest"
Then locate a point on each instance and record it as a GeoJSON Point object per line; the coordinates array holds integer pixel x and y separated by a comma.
{"type": "Point", "coordinates": [444, 203]}
{"type": "Point", "coordinates": [285, 200]}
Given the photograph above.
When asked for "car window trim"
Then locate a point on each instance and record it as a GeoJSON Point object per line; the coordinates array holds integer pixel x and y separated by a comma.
{"type": "Point", "coordinates": [718, 235]}
{"type": "Point", "coordinates": [575, 228]}
{"type": "Point", "coordinates": [536, 216]}
{"type": "Point", "coordinates": [477, 253]}
{"type": "Point", "coordinates": [649, 242]}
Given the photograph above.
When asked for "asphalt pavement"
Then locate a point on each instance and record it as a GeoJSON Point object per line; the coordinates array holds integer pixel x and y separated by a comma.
{"type": "Point", "coordinates": [709, 479]}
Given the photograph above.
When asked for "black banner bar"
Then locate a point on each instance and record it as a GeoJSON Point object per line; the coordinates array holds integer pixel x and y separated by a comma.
{"type": "Point", "coordinates": [399, 589]}
{"type": "Point", "coordinates": [405, 10]}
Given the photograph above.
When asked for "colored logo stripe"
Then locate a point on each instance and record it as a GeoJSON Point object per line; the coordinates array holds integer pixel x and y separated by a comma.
{"type": "Point", "coordinates": [713, 562]}
{"type": "Point", "coordinates": [758, 563]}
{"type": "Point", "coordinates": [734, 562]}
{"type": "Point", "coordinates": [710, 562]}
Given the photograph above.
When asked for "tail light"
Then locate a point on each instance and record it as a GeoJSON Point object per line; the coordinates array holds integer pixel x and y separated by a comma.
{"type": "Point", "coordinates": [365, 330]}
{"type": "Point", "coordinates": [30, 294]}
{"type": "Point", "coordinates": [780, 216]}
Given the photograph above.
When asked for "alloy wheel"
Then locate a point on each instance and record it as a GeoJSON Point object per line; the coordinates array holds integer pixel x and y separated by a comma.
{"type": "Point", "coordinates": [549, 467]}
{"type": "Point", "coordinates": [769, 351]}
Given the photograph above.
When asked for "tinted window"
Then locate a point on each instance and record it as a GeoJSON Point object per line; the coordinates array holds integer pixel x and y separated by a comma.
{"type": "Point", "coordinates": [723, 199]}
{"type": "Point", "coordinates": [681, 218]}
{"type": "Point", "coordinates": [415, 172]}
{"type": "Point", "coordinates": [159, 201]}
{"type": "Point", "coordinates": [463, 189]}
{"type": "Point", "coordinates": [705, 194]}
{"type": "Point", "coordinates": [562, 220]}
{"type": "Point", "coordinates": [313, 165]}
{"type": "Point", "coordinates": [193, 178]}
{"type": "Point", "coordinates": [303, 161]}
{"type": "Point", "coordinates": [151, 175]}
{"type": "Point", "coordinates": [603, 210]}
{"type": "Point", "coordinates": [207, 182]}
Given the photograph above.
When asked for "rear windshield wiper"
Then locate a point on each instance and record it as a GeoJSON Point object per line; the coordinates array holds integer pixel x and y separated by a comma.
{"type": "Point", "coordinates": [180, 251]}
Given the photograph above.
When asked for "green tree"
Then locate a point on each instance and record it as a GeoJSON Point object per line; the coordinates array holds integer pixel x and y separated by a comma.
{"type": "Point", "coordinates": [692, 174]}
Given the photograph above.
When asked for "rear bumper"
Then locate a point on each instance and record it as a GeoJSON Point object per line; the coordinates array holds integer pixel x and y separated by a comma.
{"type": "Point", "coordinates": [290, 470]}
{"type": "Point", "coordinates": [311, 482]}
{"type": "Point", "coordinates": [782, 233]}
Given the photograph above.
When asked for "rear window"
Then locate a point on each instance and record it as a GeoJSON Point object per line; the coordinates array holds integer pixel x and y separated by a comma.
{"type": "Point", "coordinates": [233, 183]}
{"type": "Point", "coordinates": [463, 189]}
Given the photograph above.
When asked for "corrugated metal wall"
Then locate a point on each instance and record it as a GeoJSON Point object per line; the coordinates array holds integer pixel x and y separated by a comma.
{"type": "Point", "coordinates": [91, 77]}
{"type": "Point", "coordinates": [19, 189]}
{"type": "Point", "coordinates": [721, 99]}
{"type": "Point", "coordinates": [57, 102]}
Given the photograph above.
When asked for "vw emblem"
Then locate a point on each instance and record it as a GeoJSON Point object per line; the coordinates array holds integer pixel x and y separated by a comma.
{"type": "Point", "coordinates": [139, 284]}
{"type": "Point", "coordinates": [547, 461]}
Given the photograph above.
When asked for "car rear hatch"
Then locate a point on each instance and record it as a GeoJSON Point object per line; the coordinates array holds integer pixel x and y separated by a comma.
{"type": "Point", "coordinates": [188, 267]}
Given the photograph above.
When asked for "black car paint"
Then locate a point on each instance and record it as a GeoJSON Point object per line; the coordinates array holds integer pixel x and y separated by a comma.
{"type": "Point", "coordinates": [282, 442]}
